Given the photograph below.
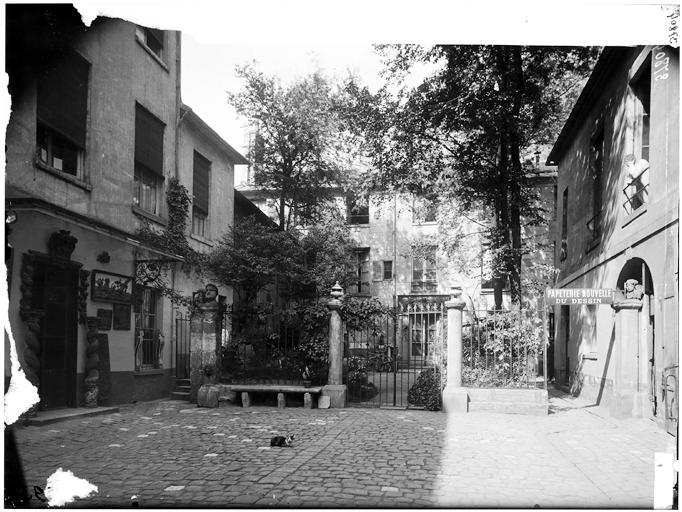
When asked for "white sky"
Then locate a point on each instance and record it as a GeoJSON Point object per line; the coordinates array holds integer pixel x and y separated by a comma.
{"type": "Point", "coordinates": [290, 37]}
{"type": "Point", "coordinates": [208, 71]}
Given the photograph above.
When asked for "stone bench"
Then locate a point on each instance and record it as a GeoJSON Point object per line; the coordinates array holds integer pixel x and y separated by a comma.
{"type": "Point", "coordinates": [280, 389]}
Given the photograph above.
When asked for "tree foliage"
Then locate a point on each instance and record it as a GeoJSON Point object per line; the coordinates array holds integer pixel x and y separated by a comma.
{"type": "Point", "coordinates": [252, 256]}
{"type": "Point", "coordinates": [461, 133]}
{"type": "Point", "coordinates": [298, 150]}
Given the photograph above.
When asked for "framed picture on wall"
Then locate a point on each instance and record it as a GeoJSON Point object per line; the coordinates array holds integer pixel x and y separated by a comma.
{"type": "Point", "coordinates": [104, 319]}
{"type": "Point", "coordinates": [121, 317]}
{"type": "Point", "coordinates": [110, 287]}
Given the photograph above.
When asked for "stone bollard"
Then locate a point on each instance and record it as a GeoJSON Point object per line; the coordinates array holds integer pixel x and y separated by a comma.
{"type": "Point", "coordinates": [455, 397]}
{"type": "Point", "coordinates": [307, 400]}
{"type": "Point", "coordinates": [281, 401]}
{"type": "Point", "coordinates": [246, 399]}
{"type": "Point", "coordinates": [207, 396]}
{"type": "Point", "coordinates": [335, 388]}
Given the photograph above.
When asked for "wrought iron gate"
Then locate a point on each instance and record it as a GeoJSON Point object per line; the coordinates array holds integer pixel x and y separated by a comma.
{"type": "Point", "coordinates": [404, 351]}
{"type": "Point", "coordinates": [182, 344]}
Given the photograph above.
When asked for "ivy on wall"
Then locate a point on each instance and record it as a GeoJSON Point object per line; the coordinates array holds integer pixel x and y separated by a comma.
{"type": "Point", "coordinates": [172, 240]}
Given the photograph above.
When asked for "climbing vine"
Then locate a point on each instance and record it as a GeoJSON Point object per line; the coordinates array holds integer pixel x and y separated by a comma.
{"type": "Point", "coordinates": [172, 240]}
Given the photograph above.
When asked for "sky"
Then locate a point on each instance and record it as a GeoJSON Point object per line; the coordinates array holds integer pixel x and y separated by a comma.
{"type": "Point", "coordinates": [290, 38]}
{"type": "Point", "coordinates": [208, 72]}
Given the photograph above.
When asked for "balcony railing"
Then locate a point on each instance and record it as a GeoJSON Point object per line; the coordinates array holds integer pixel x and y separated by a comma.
{"type": "Point", "coordinates": [426, 285]}
{"type": "Point", "coordinates": [148, 349]}
{"type": "Point", "coordinates": [636, 192]}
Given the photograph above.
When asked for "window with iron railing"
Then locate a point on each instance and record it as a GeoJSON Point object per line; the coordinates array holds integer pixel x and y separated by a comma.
{"type": "Point", "coordinates": [637, 189]}
{"type": "Point", "coordinates": [147, 336]}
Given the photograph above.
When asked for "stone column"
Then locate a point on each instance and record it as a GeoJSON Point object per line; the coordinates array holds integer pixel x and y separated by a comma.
{"type": "Point", "coordinates": [204, 347]}
{"type": "Point", "coordinates": [335, 388]}
{"type": "Point", "coordinates": [627, 400]}
{"type": "Point", "coordinates": [455, 397]}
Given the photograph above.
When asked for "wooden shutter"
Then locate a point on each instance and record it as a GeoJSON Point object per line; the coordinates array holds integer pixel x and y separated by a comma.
{"type": "Point", "coordinates": [200, 188]}
{"type": "Point", "coordinates": [149, 140]}
{"type": "Point", "coordinates": [63, 98]}
{"type": "Point", "coordinates": [377, 270]}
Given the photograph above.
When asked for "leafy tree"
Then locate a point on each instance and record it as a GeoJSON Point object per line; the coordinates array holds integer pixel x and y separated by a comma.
{"type": "Point", "coordinates": [251, 256]}
{"type": "Point", "coordinates": [298, 151]}
{"type": "Point", "coordinates": [460, 134]}
{"type": "Point", "coordinates": [328, 255]}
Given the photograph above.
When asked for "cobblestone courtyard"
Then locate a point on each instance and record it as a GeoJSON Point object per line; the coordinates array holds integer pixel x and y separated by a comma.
{"type": "Point", "coordinates": [173, 454]}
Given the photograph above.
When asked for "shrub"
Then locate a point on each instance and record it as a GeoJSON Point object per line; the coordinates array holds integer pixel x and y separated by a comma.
{"type": "Point", "coordinates": [427, 391]}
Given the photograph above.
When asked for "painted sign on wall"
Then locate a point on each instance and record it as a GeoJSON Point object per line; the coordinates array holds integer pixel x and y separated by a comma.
{"type": "Point", "coordinates": [578, 296]}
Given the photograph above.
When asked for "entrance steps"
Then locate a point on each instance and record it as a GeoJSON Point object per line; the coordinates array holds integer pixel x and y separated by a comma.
{"type": "Point", "coordinates": [181, 391]}
{"type": "Point", "coordinates": [509, 401]}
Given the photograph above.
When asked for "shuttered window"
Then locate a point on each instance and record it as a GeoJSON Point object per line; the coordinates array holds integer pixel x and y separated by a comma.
{"type": "Point", "coordinates": [200, 187]}
{"type": "Point", "coordinates": [63, 98]}
{"type": "Point", "coordinates": [149, 141]}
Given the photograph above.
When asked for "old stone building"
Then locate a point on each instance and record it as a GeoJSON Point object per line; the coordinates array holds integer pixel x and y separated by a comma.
{"type": "Point", "coordinates": [97, 137]}
{"type": "Point", "coordinates": [617, 213]}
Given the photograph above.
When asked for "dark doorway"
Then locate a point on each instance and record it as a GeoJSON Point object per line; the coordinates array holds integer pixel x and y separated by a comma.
{"type": "Point", "coordinates": [55, 293]}
{"type": "Point", "coordinates": [566, 319]}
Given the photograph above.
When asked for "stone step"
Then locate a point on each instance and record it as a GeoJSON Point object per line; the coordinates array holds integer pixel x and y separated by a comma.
{"type": "Point", "coordinates": [527, 408]}
{"type": "Point", "coordinates": [180, 395]}
{"type": "Point", "coordinates": [182, 382]}
{"type": "Point", "coordinates": [182, 388]}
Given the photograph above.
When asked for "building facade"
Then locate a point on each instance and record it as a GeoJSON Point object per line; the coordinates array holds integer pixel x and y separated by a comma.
{"type": "Point", "coordinates": [617, 228]}
{"type": "Point", "coordinates": [96, 137]}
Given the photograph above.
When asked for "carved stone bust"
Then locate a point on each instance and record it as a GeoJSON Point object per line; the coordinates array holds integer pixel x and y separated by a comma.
{"type": "Point", "coordinates": [61, 244]}
{"type": "Point", "coordinates": [633, 290]}
{"type": "Point", "coordinates": [208, 297]}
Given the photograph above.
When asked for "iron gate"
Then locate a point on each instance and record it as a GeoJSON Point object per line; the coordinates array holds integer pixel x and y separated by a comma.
{"type": "Point", "coordinates": [182, 343]}
{"type": "Point", "coordinates": [386, 365]}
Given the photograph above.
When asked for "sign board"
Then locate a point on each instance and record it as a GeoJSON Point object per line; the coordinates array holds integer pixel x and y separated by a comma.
{"type": "Point", "coordinates": [578, 296]}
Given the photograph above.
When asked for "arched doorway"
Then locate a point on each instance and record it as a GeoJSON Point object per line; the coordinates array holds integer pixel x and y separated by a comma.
{"type": "Point", "coordinates": [637, 269]}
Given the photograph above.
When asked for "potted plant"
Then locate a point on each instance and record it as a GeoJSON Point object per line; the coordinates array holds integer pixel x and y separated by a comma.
{"type": "Point", "coordinates": [307, 382]}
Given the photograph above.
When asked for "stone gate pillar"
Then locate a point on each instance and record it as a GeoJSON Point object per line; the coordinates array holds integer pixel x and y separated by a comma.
{"type": "Point", "coordinates": [205, 324]}
{"type": "Point", "coordinates": [455, 397]}
{"type": "Point", "coordinates": [335, 388]}
{"type": "Point", "coordinates": [628, 400]}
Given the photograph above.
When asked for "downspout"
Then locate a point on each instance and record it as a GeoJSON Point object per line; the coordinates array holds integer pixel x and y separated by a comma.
{"type": "Point", "coordinates": [178, 103]}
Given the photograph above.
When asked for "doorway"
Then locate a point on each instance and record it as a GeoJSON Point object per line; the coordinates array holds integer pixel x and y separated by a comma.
{"type": "Point", "coordinates": [566, 319]}
{"type": "Point", "coordinates": [55, 293]}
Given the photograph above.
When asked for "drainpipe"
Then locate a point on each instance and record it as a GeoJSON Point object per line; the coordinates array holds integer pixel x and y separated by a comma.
{"type": "Point", "coordinates": [178, 103]}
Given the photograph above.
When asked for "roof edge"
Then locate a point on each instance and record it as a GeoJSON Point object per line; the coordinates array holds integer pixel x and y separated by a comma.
{"type": "Point", "coordinates": [608, 58]}
{"type": "Point", "coordinates": [193, 118]}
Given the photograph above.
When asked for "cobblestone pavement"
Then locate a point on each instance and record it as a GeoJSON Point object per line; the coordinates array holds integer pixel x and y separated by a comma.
{"type": "Point", "coordinates": [172, 454]}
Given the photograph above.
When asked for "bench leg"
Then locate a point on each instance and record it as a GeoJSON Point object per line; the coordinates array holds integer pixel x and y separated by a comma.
{"type": "Point", "coordinates": [307, 401]}
{"type": "Point", "coordinates": [246, 399]}
{"type": "Point", "coordinates": [281, 401]}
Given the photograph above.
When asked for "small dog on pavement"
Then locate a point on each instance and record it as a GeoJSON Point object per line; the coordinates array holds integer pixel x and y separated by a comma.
{"type": "Point", "coordinates": [281, 441]}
